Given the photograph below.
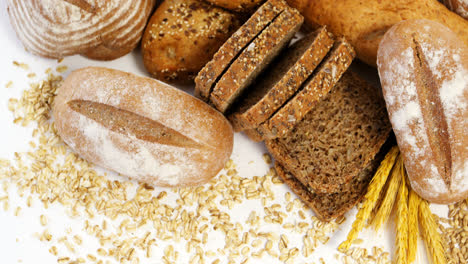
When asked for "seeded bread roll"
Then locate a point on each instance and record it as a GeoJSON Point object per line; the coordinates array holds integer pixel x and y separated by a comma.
{"type": "Point", "coordinates": [102, 30]}
{"type": "Point", "coordinates": [141, 128]}
{"type": "Point", "coordinates": [458, 6]}
{"type": "Point", "coordinates": [255, 58]}
{"type": "Point", "coordinates": [281, 80]}
{"type": "Point", "coordinates": [423, 67]}
{"type": "Point", "coordinates": [212, 72]}
{"type": "Point", "coordinates": [314, 89]}
{"type": "Point", "coordinates": [337, 139]}
{"type": "Point", "coordinates": [182, 36]}
{"type": "Point", "coordinates": [237, 5]}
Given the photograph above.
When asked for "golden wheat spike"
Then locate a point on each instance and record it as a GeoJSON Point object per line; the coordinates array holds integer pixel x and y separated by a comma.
{"type": "Point", "coordinates": [401, 252]}
{"type": "Point", "coordinates": [431, 237]}
{"type": "Point", "coordinates": [371, 197]}
{"type": "Point", "coordinates": [413, 225]}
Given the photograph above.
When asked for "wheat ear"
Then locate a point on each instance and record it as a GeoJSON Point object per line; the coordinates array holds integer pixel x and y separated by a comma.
{"type": "Point", "coordinates": [413, 225]}
{"type": "Point", "coordinates": [401, 254]}
{"type": "Point", "coordinates": [431, 237]}
{"type": "Point", "coordinates": [390, 195]}
{"type": "Point", "coordinates": [371, 197]}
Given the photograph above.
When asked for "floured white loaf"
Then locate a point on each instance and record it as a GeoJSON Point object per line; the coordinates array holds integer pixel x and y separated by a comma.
{"type": "Point", "coordinates": [423, 68]}
{"type": "Point", "coordinates": [141, 128]}
{"type": "Point", "coordinates": [98, 29]}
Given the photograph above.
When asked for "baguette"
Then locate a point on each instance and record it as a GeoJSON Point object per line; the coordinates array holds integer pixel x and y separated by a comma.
{"type": "Point", "coordinates": [141, 128]}
{"type": "Point", "coordinates": [423, 67]}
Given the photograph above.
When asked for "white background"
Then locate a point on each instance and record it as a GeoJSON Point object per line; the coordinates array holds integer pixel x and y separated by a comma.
{"type": "Point", "coordinates": [17, 241]}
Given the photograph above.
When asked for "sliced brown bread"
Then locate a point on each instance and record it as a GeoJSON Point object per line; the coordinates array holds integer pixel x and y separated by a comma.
{"type": "Point", "coordinates": [319, 85]}
{"type": "Point", "coordinates": [332, 205]}
{"type": "Point", "coordinates": [337, 138]}
{"type": "Point", "coordinates": [212, 71]}
{"type": "Point", "coordinates": [253, 135]}
{"type": "Point", "coordinates": [280, 80]}
{"type": "Point", "coordinates": [255, 58]}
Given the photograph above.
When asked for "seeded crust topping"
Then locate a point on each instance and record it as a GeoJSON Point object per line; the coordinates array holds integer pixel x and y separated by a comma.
{"type": "Point", "coordinates": [255, 58]}
{"type": "Point", "coordinates": [329, 72]}
{"type": "Point", "coordinates": [207, 77]}
{"type": "Point", "coordinates": [281, 80]}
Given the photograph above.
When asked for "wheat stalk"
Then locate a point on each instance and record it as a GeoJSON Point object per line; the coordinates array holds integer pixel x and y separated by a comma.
{"type": "Point", "coordinates": [371, 197]}
{"type": "Point", "coordinates": [413, 225]}
{"type": "Point", "coordinates": [390, 195]}
{"type": "Point", "coordinates": [401, 252]}
{"type": "Point", "coordinates": [431, 237]}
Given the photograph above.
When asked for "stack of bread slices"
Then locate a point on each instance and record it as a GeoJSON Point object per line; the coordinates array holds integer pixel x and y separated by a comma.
{"type": "Point", "coordinates": [324, 126]}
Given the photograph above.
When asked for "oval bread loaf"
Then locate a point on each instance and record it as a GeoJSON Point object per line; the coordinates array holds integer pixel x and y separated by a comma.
{"type": "Point", "coordinates": [364, 23]}
{"type": "Point", "coordinates": [182, 36]}
{"type": "Point", "coordinates": [98, 29]}
{"type": "Point", "coordinates": [423, 68]}
{"type": "Point", "coordinates": [141, 128]}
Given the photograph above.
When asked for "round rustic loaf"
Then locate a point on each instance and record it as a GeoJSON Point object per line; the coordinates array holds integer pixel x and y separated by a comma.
{"type": "Point", "coordinates": [141, 128]}
{"type": "Point", "coordinates": [423, 68]}
{"type": "Point", "coordinates": [237, 5]}
{"type": "Point", "coordinates": [458, 6]}
{"type": "Point", "coordinates": [97, 29]}
{"type": "Point", "coordinates": [182, 36]}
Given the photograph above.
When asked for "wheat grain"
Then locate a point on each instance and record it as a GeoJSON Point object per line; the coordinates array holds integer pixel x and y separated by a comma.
{"type": "Point", "coordinates": [413, 225]}
{"type": "Point", "coordinates": [401, 251]}
{"type": "Point", "coordinates": [371, 197]}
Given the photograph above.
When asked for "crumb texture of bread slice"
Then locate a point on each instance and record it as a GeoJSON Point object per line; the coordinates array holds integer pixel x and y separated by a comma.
{"type": "Point", "coordinates": [281, 80]}
{"type": "Point", "coordinates": [337, 138]}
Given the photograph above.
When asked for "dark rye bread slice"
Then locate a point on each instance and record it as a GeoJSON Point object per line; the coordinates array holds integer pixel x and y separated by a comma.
{"type": "Point", "coordinates": [212, 71]}
{"type": "Point", "coordinates": [280, 80]}
{"type": "Point", "coordinates": [328, 206]}
{"type": "Point", "coordinates": [255, 58]}
{"type": "Point", "coordinates": [319, 85]}
{"type": "Point", "coordinates": [336, 139]}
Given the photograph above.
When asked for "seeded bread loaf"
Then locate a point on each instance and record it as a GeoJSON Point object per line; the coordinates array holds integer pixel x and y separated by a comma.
{"type": "Point", "coordinates": [255, 58]}
{"type": "Point", "coordinates": [319, 84]}
{"type": "Point", "coordinates": [182, 36]}
{"type": "Point", "coordinates": [237, 5]}
{"type": "Point", "coordinates": [337, 139]}
{"type": "Point", "coordinates": [230, 50]}
{"type": "Point", "coordinates": [327, 206]}
{"type": "Point", "coordinates": [141, 128]}
{"type": "Point", "coordinates": [281, 80]}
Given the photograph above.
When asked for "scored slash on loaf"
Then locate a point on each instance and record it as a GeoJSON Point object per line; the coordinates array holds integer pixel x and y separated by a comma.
{"type": "Point", "coordinates": [102, 30]}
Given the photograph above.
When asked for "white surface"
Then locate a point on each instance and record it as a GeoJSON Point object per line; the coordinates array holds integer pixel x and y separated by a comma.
{"type": "Point", "coordinates": [17, 240]}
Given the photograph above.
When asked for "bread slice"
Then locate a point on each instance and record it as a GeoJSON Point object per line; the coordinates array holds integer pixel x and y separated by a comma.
{"type": "Point", "coordinates": [327, 206]}
{"type": "Point", "coordinates": [255, 58]}
{"type": "Point", "coordinates": [337, 138]}
{"type": "Point", "coordinates": [318, 86]}
{"type": "Point", "coordinates": [230, 50]}
{"type": "Point", "coordinates": [281, 80]}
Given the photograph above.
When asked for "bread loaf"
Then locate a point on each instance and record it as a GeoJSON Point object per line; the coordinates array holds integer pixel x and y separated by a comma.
{"type": "Point", "coordinates": [364, 23]}
{"type": "Point", "coordinates": [237, 5]}
{"type": "Point", "coordinates": [98, 29]}
{"type": "Point", "coordinates": [423, 67]}
{"type": "Point", "coordinates": [182, 36]}
{"type": "Point", "coordinates": [458, 6]}
{"type": "Point", "coordinates": [141, 128]}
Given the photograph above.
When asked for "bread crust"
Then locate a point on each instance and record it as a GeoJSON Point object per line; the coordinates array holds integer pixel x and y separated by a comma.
{"type": "Point", "coordinates": [259, 53]}
{"type": "Point", "coordinates": [102, 30]}
{"type": "Point", "coordinates": [237, 5]}
{"type": "Point", "coordinates": [364, 23]}
{"type": "Point", "coordinates": [281, 88]}
{"type": "Point", "coordinates": [141, 128]}
{"type": "Point", "coordinates": [212, 71]}
{"type": "Point", "coordinates": [423, 68]}
{"type": "Point", "coordinates": [458, 6]}
{"type": "Point", "coordinates": [320, 83]}
{"type": "Point", "coordinates": [182, 36]}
